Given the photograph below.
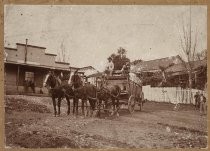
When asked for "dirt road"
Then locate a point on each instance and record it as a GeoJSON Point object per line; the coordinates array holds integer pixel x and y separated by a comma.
{"type": "Point", "coordinates": [29, 123]}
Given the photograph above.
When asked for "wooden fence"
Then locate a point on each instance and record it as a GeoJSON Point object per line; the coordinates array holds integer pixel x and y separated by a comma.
{"type": "Point", "coordinates": [171, 94]}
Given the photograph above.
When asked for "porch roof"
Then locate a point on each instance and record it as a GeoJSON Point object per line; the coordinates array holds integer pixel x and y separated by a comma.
{"type": "Point", "coordinates": [36, 65]}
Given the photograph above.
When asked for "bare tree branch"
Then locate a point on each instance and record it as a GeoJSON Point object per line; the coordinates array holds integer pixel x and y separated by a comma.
{"type": "Point", "coordinates": [188, 46]}
{"type": "Point", "coordinates": [182, 45]}
{"type": "Point", "coordinates": [195, 44]}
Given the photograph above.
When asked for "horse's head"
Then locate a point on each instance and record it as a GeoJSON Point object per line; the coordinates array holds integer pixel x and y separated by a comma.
{"type": "Point", "coordinates": [50, 80]}
{"type": "Point", "coordinates": [76, 81]}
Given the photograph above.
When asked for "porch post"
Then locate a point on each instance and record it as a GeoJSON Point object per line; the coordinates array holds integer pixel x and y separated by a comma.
{"type": "Point", "coordinates": [18, 75]}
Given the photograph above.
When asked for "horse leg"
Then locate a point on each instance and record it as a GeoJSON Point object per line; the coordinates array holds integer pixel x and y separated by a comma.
{"type": "Point", "coordinates": [59, 106]}
{"type": "Point", "coordinates": [54, 105]}
{"type": "Point", "coordinates": [85, 107]}
{"type": "Point", "coordinates": [99, 107]}
{"type": "Point", "coordinates": [106, 105]}
{"type": "Point", "coordinates": [83, 101]}
{"type": "Point", "coordinates": [113, 105]}
{"type": "Point", "coordinates": [68, 103]}
{"type": "Point", "coordinates": [77, 104]}
{"type": "Point", "coordinates": [95, 107]}
{"type": "Point", "coordinates": [91, 107]}
{"type": "Point", "coordinates": [74, 101]}
{"type": "Point", "coordinates": [118, 106]}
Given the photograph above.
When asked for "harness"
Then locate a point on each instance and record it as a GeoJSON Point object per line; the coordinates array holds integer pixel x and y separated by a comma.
{"type": "Point", "coordinates": [108, 91]}
{"type": "Point", "coordinates": [68, 95]}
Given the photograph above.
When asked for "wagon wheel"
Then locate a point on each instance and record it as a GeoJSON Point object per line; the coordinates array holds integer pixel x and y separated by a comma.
{"type": "Point", "coordinates": [131, 104]}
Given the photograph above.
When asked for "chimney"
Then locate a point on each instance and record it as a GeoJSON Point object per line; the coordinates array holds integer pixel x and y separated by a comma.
{"type": "Point", "coordinates": [26, 47]}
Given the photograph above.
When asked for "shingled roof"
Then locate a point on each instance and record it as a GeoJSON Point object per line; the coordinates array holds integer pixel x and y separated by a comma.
{"type": "Point", "coordinates": [154, 65]}
{"type": "Point", "coordinates": [181, 67]}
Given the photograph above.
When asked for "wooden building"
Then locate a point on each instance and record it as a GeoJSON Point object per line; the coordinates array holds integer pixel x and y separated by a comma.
{"type": "Point", "coordinates": [26, 67]}
{"type": "Point", "coordinates": [178, 75]}
{"type": "Point", "coordinates": [175, 72]}
{"type": "Point", "coordinates": [150, 71]}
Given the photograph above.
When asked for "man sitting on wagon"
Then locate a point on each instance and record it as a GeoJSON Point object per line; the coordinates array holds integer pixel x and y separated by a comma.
{"type": "Point", "coordinates": [126, 68]}
{"type": "Point", "coordinates": [109, 67]}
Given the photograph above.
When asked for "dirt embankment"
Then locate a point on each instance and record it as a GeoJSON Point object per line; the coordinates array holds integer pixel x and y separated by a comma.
{"type": "Point", "coordinates": [29, 123]}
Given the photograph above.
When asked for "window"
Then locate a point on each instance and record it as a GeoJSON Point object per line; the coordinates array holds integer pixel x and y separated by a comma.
{"type": "Point", "coordinates": [29, 76]}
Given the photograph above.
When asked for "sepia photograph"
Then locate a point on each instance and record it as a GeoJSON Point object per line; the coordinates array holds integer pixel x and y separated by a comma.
{"type": "Point", "coordinates": [105, 76]}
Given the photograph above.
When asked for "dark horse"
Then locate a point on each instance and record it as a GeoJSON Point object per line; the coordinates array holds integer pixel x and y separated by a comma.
{"type": "Point", "coordinates": [58, 91]}
{"type": "Point", "coordinates": [82, 92]}
{"type": "Point", "coordinates": [76, 82]}
{"type": "Point", "coordinates": [87, 92]}
{"type": "Point", "coordinates": [106, 94]}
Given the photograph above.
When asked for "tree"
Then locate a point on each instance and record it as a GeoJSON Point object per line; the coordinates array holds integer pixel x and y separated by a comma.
{"type": "Point", "coordinates": [120, 58]}
{"type": "Point", "coordinates": [122, 52]}
{"type": "Point", "coordinates": [188, 41]}
{"type": "Point", "coordinates": [188, 45]}
{"type": "Point", "coordinates": [62, 54]}
{"type": "Point", "coordinates": [113, 55]}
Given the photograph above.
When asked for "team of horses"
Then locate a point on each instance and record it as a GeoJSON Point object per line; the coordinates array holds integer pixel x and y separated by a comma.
{"type": "Point", "coordinates": [75, 90]}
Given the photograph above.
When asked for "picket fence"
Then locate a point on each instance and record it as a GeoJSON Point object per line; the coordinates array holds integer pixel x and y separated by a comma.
{"type": "Point", "coordinates": [170, 94]}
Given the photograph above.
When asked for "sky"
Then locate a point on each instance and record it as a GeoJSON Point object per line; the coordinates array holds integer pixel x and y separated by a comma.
{"type": "Point", "coordinates": [90, 33]}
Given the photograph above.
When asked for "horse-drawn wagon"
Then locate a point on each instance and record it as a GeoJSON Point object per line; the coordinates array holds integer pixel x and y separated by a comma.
{"type": "Point", "coordinates": [111, 92]}
{"type": "Point", "coordinates": [130, 90]}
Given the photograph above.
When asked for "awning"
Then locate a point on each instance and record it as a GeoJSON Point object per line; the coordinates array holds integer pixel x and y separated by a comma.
{"type": "Point", "coordinates": [38, 66]}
